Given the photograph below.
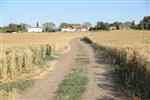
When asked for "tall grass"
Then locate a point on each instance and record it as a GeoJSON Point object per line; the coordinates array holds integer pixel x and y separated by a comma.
{"type": "Point", "coordinates": [133, 69]}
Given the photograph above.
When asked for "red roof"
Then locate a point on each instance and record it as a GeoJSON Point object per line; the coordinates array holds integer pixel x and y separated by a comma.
{"type": "Point", "coordinates": [76, 26]}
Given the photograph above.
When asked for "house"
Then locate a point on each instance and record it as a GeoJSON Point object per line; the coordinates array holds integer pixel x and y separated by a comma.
{"type": "Point", "coordinates": [34, 29]}
{"type": "Point", "coordinates": [76, 27]}
{"type": "Point", "coordinates": [73, 28]}
{"type": "Point", "coordinates": [124, 27]}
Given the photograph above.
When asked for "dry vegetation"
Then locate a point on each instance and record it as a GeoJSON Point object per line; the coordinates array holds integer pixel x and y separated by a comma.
{"type": "Point", "coordinates": [24, 51]}
{"type": "Point", "coordinates": [129, 53]}
{"type": "Point", "coordinates": [26, 56]}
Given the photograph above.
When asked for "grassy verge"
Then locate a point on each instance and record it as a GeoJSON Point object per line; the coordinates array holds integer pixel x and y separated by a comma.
{"type": "Point", "coordinates": [19, 85]}
{"type": "Point", "coordinates": [72, 87]}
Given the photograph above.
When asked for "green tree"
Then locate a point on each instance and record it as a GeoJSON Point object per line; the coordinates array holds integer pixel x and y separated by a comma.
{"type": "Point", "coordinates": [117, 24]}
{"type": "Point", "coordinates": [102, 26]}
{"type": "Point", "coordinates": [145, 23]}
{"type": "Point", "coordinates": [12, 28]}
{"type": "Point", "coordinates": [47, 27]}
{"type": "Point", "coordinates": [64, 25]}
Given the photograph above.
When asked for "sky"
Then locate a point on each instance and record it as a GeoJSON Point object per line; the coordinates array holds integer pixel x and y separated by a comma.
{"type": "Point", "coordinates": [72, 11]}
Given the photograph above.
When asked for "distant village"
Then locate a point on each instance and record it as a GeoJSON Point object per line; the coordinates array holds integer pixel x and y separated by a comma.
{"type": "Point", "coordinates": [75, 28]}
{"type": "Point", "coordinates": [144, 24]}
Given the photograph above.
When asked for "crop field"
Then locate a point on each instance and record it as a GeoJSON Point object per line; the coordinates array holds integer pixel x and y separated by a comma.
{"type": "Point", "coordinates": [58, 40]}
{"type": "Point", "coordinates": [137, 40]}
{"type": "Point", "coordinates": [25, 55]}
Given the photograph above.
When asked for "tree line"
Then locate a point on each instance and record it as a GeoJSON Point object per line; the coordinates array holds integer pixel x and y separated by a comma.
{"type": "Point", "coordinates": [100, 25]}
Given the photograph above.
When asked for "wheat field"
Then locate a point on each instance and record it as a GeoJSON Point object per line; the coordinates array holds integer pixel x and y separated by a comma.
{"type": "Point", "coordinates": [59, 40]}
{"type": "Point", "coordinates": [137, 40]}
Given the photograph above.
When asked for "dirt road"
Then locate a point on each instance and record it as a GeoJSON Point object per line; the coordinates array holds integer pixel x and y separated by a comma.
{"type": "Point", "coordinates": [100, 85]}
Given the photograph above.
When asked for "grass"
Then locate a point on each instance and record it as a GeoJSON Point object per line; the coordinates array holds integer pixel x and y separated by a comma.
{"type": "Point", "coordinates": [18, 85]}
{"type": "Point", "coordinates": [72, 87]}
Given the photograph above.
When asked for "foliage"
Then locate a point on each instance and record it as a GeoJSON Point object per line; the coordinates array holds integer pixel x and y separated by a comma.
{"type": "Point", "coordinates": [145, 23]}
{"type": "Point", "coordinates": [102, 26]}
{"type": "Point", "coordinates": [14, 28]}
{"type": "Point", "coordinates": [48, 27]}
{"type": "Point", "coordinates": [64, 25]}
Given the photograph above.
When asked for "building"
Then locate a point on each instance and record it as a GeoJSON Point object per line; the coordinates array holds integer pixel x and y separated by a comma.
{"type": "Point", "coordinates": [34, 29]}
{"type": "Point", "coordinates": [73, 28]}
{"type": "Point", "coordinates": [68, 30]}
{"type": "Point", "coordinates": [76, 27]}
{"type": "Point", "coordinates": [124, 27]}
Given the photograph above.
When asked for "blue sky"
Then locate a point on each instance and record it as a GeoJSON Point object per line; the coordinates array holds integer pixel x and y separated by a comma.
{"type": "Point", "coordinates": [57, 11]}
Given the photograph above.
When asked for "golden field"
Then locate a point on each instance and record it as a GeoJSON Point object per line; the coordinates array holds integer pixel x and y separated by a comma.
{"type": "Point", "coordinates": [23, 54]}
{"type": "Point", "coordinates": [59, 40]}
{"type": "Point", "coordinates": [23, 51]}
{"type": "Point", "coordinates": [137, 40]}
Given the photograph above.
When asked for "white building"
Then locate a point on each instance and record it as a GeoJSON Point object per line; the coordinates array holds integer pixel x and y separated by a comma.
{"type": "Point", "coordinates": [68, 30]}
{"type": "Point", "coordinates": [34, 29]}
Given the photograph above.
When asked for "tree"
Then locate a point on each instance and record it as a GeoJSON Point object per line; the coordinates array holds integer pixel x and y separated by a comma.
{"type": "Point", "coordinates": [22, 27]}
{"type": "Point", "coordinates": [117, 24]}
{"type": "Point", "coordinates": [102, 26]}
{"type": "Point", "coordinates": [64, 25]}
{"type": "Point", "coordinates": [48, 27]}
{"type": "Point", "coordinates": [145, 23]}
{"type": "Point", "coordinates": [12, 28]}
{"type": "Point", "coordinates": [86, 25]}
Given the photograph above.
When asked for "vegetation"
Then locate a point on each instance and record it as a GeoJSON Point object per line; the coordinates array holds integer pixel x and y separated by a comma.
{"type": "Point", "coordinates": [48, 27]}
{"type": "Point", "coordinates": [145, 23]}
{"type": "Point", "coordinates": [72, 87]}
{"type": "Point", "coordinates": [64, 25]}
{"type": "Point", "coordinates": [101, 26]}
{"type": "Point", "coordinates": [132, 68]}
{"type": "Point", "coordinates": [15, 61]}
{"type": "Point", "coordinates": [14, 28]}
{"type": "Point", "coordinates": [18, 85]}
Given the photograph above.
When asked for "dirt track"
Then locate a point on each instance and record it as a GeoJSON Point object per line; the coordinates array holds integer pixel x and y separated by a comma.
{"type": "Point", "coordinates": [100, 85]}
